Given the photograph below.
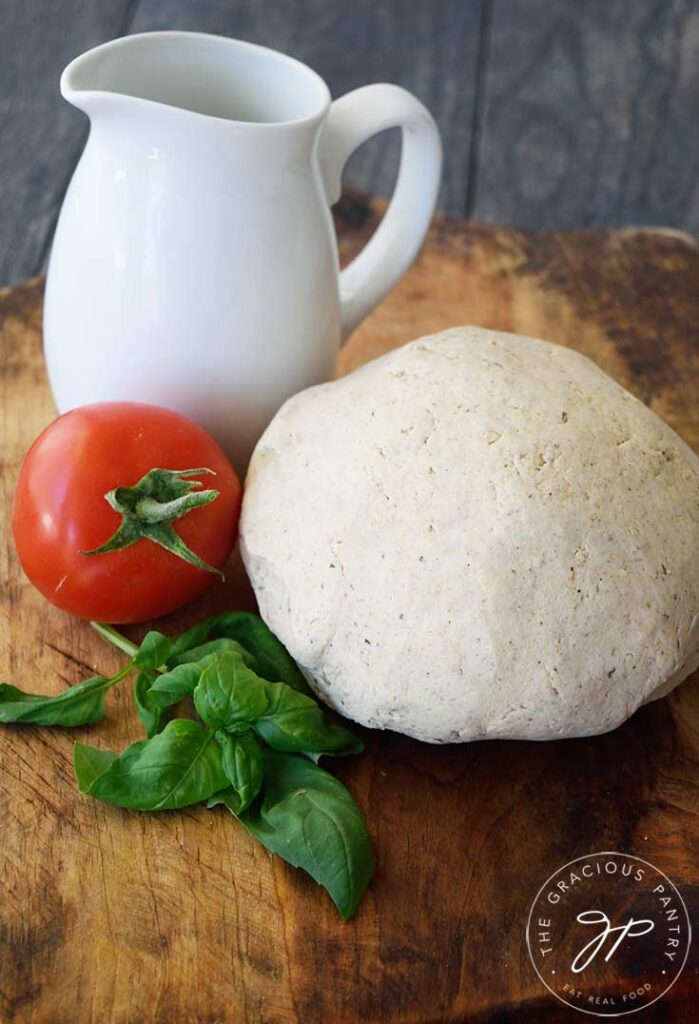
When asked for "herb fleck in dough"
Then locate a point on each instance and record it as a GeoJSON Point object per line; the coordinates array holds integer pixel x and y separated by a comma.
{"type": "Point", "coordinates": [477, 535]}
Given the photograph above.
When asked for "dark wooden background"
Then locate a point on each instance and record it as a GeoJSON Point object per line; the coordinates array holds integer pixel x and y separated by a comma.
{"type": "Point", "coordinates": [554, 113]}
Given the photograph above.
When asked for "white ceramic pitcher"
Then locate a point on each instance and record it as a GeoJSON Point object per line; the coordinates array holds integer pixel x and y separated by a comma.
{"type": "Point", "coordinates": [195, 264]}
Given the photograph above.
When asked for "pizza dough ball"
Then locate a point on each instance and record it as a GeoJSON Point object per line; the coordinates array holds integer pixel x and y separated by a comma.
{"type": "Point", "coordinates": [477, 535]}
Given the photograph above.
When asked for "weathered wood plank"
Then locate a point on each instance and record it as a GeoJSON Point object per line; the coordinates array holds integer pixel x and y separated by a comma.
{"type": "Point", "coordinates": [112, 917]}
{"type": "Point", "coordinates": [430, 48]}
{"type": "Point", "coordinates": [41, 135]}
{"type": "Point", "coordinates": [589, 114]}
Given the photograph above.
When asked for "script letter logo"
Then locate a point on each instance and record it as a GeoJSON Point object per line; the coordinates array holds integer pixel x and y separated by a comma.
{"type": "Point", "coordinates": [633, 929]}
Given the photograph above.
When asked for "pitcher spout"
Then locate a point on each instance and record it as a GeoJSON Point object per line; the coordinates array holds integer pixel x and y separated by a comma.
{"type": "Point", "coordinates": [79, 83]}
{"type": "Point", "coordinates": [199, 74]}
{"type": "Point", "coordinates": [97, 79]}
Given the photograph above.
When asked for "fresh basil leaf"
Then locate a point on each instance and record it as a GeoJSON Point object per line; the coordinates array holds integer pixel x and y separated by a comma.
{"type": "Point", "coordinates": [180, 766]}
{"type": "Point", "coordinates": [242, 763]}
{"type": "Point", "coordinates": [308, 817]}
{"type": "Point", "coordinates": [151, 713]}
{"type": "Point", "coordinates": [154, 651]}
{"type": "Point", "coordinates": [272, 661]}
{"type": "Point", "coordinates": [174, 686]}
{"type": "Point", "coordinates": [295, 723]}
{"type": "Point", "coordinates": [229, 798]}
{"type": "Point", "coordinates": [190, 639]}
{"type": "Point", "coordinates": [211, 647]}
{"type": "Point", "coordinates": [180, 681]}
{"type": "Point", "coordinates": [90, 763]}
{"type": "Point", "coordinates": [229, 695]}
{"type": "Point", "coordinates": [78, 705]}
{"type": "Point", "coordinates": [211, 631]}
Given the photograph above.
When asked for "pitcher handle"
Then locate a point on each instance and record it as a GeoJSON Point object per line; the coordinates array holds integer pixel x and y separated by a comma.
{"type": "Point", "coordinates": [351, 121]}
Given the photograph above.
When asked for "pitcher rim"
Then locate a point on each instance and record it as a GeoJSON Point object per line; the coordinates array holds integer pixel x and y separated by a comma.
{"type": "Point", "coordinates": [69, 89]}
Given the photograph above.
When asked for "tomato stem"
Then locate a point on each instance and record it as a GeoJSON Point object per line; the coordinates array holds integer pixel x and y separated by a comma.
{"type": "Point", "coordinates": [149, 508]}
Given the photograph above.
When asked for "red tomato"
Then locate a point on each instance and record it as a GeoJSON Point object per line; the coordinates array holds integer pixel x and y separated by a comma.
{"type": "Point", "coordinates": [59, 511]}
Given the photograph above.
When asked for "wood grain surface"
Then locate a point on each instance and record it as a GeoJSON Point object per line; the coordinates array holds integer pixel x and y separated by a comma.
{"type": "Point", "coordinates": [114, 917]}
{"type": "Point", "coordinates": [553, 113]}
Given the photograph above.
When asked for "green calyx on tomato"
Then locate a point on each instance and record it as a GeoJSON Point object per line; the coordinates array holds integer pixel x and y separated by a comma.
{"type": "Point", "coordinates": [149, 508]}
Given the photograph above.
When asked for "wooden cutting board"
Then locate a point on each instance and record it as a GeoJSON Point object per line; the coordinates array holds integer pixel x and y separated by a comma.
{"type": "Point", "coordinates": [123, 918]}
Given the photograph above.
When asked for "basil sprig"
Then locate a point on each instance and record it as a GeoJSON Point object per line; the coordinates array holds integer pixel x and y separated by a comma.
{"type": "Point", "coordinates": [82, 704]}
{"type": "Point", "coordinates": [293, 723]}
{"type": "Point", "coordinates": [255, 749]}
{"type": "Point", "coordinates": [89, 763]}
{"type": "Point", "coordinates": [151, 713]}
{"type": "Point", "coordinates": [243, 764]}
{"type": "Point", "coordinates": [272, 661]}
{"type": "Point", "coordinates": [308, 817]}
{"type": "Point", "coordinates": [180, 766]}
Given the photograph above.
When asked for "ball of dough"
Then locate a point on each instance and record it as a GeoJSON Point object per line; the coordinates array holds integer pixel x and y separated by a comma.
{"type": "Point", "coordinates": [477, 535]}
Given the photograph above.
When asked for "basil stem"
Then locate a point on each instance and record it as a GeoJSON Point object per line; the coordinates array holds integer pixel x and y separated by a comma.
{"type": "Point", "coordinates": [115, 638]}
